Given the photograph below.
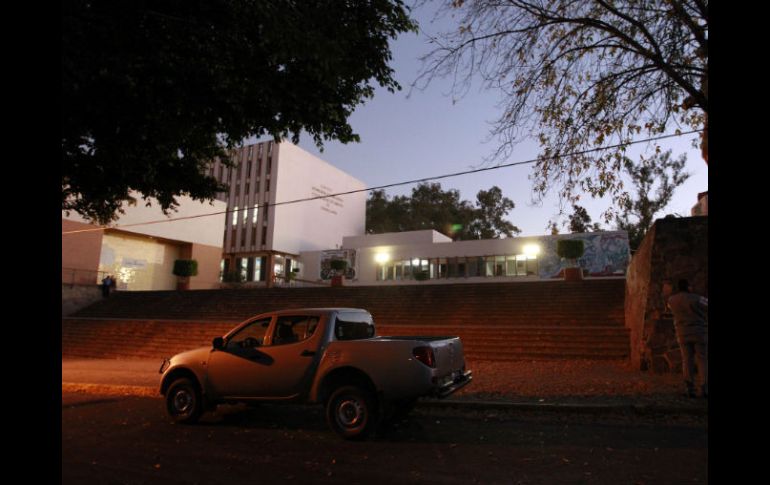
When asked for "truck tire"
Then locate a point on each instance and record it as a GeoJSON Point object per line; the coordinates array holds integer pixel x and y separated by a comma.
{"type": "Point", "coordinates": [183, 401]}
{"type": "Point", "coordinates": [351, 412]}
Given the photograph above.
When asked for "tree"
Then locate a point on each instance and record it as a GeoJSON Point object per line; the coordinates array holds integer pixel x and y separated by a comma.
{"type": "Point", "coordinates": [491, 209]}
{"type": "Point", "coordinates": [638, 214]}
{"type": "Point", "coordinates": [580, 220]}
{"type": "Point", "coordinates": [154, 91]}
{"type": "Point", "coordinates": [431, 207]}
{"type": "Point", "coordinates": [580, 74]}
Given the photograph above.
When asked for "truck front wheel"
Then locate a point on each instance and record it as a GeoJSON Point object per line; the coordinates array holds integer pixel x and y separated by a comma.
{"type": "Point", "coordinates": [351, 412]}
{"type": "Point", "coordinates": [183, 401]}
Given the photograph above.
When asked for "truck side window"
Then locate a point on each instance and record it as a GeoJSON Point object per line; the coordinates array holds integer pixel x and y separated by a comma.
{"type": "Point", "coordinates": [291, 329]}
{"type": "Point", "coordinates": [345, 330]}
{"type": "Point", "coordinates": [250, 336]}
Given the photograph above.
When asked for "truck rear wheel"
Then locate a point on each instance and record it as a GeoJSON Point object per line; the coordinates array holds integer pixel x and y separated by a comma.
{"type": "Point", "coordinates": [351, 412]}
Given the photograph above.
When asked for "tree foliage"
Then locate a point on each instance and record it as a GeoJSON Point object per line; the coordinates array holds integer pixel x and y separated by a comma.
{"type": "Point", "coordinates": [580, 74]}
{"type": "Point", "coordinates": [153, 91]}
{"type": "Point", "coordinates": [580, 220]}
{"type": "Point", "coordinates": [431, 207]}
{"type": "Point", "coordinates": [654, 180]}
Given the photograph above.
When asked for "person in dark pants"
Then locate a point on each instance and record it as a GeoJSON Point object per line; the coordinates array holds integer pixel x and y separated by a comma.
{"type": "Point", "coordinates": [107, 284]}
{"type": "Point", "coordinates": [691, 324]}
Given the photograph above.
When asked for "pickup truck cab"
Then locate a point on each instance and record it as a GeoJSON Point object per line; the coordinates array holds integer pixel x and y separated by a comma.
{"type": "Point", "coordinates": [328, 356]}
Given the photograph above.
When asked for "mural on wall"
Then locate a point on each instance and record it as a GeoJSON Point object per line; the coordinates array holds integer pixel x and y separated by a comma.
{"type": "Point", "coordinates": [606, 254]}
{"type": "Point", "coordinates": [348, 255]}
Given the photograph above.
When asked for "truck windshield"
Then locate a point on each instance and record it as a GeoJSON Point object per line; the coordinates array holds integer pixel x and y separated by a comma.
{"type": "Point", "coordinates": [353, 327]}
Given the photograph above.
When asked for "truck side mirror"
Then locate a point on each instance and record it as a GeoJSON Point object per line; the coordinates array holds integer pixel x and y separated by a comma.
{"type": "Point", "coordinates": [218, 343]}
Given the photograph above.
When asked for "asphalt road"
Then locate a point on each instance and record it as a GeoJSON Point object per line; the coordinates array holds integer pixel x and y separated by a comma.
{"type": "Point", "coordinates": [128, 440]}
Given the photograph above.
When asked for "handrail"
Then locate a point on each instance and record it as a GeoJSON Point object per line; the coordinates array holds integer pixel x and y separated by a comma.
{"type": "Point", "coordinates": [82, 276]}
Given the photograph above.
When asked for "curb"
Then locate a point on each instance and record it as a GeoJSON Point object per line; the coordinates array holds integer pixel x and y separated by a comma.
{"type": "Point", "coordinates": [638, 409]}
{"type": "Point", "coordinates": [109, 389]}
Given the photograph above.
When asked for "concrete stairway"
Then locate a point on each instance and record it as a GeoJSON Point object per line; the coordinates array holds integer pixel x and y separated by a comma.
{"type": "Point", "coordinates": [501, 321]}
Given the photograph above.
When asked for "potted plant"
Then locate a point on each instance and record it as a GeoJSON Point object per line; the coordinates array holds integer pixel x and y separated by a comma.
{"type": "Point", "coordinates": [184, 268]}
{"type": "Point", "coordinates": [422, 275]}
{"type": "Point", "coordinates": [339, 266]}
{"type": "Point", "coordinates": [571, 250]}
{"type": "Point", "coordinates": [291, 275]}
{"type": "Point", "coordinates": [232, 279]}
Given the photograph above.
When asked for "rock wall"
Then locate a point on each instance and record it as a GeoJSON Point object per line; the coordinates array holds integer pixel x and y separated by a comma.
{"type": "Point", "coordinates": [75, 297]}
{"type": "Point", "coordinates": [673, 248]}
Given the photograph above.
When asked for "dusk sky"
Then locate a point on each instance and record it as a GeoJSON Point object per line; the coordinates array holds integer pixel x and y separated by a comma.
{"type": "Point", "coordinates": [415, 134]}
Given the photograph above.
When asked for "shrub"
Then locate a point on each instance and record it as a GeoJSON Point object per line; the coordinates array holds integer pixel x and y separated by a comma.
{"type": "Point", "coordinates": [571, 249]}
{"type": "Point", "coordinates": [421, 275]}
{"type": "Point", "coordinates": [185, 267]}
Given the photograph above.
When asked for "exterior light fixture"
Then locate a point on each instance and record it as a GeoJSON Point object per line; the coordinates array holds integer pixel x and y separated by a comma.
{"type": "Point", "coordinates": [531, 250]}
{"type": "Point", "coordinates": [382, 258]}
{"type": "Point", "coordinates": [416, 262]}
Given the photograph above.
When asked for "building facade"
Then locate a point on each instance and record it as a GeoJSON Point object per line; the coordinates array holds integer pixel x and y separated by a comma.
{"type": "Point", "coordinates": [269, 219]}
{"type": "Point", "coordinates": [141, 256]}
{"type": "Point", "coordinates": [411, 257]}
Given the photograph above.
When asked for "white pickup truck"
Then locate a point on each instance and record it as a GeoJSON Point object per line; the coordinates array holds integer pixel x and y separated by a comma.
{"type": "Point", "coordinates": [329, 356]}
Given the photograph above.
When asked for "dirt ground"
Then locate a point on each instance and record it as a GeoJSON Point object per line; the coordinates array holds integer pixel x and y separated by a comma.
{"type": "Point", "coordinates": [580, 381]}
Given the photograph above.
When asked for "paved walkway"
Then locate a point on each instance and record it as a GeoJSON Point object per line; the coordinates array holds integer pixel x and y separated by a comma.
{"type": "Point", "coordinates": [591, 386]}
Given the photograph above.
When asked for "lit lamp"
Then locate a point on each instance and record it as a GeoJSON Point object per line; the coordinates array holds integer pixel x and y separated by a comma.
{"type": "Point", "coordinates": [382, 258]}
{"type": "Point", "coordinates": [531, 251]}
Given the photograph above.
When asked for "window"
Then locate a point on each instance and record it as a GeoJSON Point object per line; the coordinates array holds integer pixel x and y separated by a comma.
{"type": "Point", "coordinates": [235, 216]}
{"type": "Point", "coordinates": [510, 266]}
{"type": "Point", "coordinates": [249, 337]}
{"type": "Point", "coordinates": [243, 265]}
{"type": "Point", "coordinates": [257, 275]}
{"type": "Point", "coordinates": [352, 330]}
{"type": "Point", "coordinates": [292, 329]}
{"type": "Point", "coordinates": [461, 268]}
{"type": "Point", "coordinates": [254, 214]}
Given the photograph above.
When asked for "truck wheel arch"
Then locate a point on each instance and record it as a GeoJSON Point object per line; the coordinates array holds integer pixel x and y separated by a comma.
{"type": "Point", "coordinates": [344, 376]}
{"type": "Point", "coordinates": [177, 374]}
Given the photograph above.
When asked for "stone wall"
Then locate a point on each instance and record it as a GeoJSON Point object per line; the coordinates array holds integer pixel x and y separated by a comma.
{"type": "Point", "coordinates": [673, 248]}
{"type": "Point", "coordinates": [75, 297]}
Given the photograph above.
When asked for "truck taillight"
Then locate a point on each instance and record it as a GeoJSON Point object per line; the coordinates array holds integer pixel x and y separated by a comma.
{"type": "Point", "coordinates": [424, 355]}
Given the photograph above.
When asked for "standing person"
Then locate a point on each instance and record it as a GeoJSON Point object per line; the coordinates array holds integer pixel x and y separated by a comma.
{"type": "Point", "coordinates": [690, 322]}
{"type": "Point", "coordinates": [106, 285]}
{"type": "Point", "coordinates": [113, 283]}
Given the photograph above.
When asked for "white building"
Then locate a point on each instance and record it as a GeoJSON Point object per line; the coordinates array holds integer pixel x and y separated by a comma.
{"type": "Point", "coordinates": [395, 258]}
{"type": "Point", "coordinates": [266, 227]}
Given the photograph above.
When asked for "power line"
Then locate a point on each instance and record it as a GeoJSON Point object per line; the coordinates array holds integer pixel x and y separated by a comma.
{"type": "Point", "coordinates": [396, 184]}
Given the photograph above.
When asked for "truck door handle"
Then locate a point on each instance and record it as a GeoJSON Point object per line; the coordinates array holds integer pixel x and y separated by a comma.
{"type": "Point", "coordinates": [307, 353]}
